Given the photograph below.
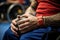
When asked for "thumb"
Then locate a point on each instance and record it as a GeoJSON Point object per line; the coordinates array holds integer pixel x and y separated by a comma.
{"type": "Point", "coordinates": [18, 16]}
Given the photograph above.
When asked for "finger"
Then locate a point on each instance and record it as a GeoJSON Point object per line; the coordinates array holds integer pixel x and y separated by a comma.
{"type": "Point", "coordinates": [23, 30]}
{"type": "Point", "coordinates": [18, 16]}
{"type": "Point", "coordinates": [24, 24]}
{"type": "Point", "coordinates": [25, 15]}
{"type": "Point", "coordinates": [15, 33]}
{"type": "Point", "coordinates": [29, 26]}
{"type": "Point", "coordinates": [23, 21]}
{"type": "Point", "coordinates": [15, 21]}
{"type": "Point", "coordinates": [13, 27]}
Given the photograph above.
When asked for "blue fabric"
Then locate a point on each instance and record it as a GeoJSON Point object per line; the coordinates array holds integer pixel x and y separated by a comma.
{"type": "Point", "coordinates": [9, 35]}
{"type": "Point", "coordinates": [33, 35]}
{"type": "Point", "coordinates": [3, 27]}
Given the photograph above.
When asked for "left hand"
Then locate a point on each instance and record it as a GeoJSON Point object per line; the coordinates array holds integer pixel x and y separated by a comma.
{"type": "Point", "coordinates": [27, 24]}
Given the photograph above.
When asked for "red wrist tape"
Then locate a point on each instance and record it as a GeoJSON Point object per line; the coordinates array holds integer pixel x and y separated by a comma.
{"type": "Point", "coordinates": [40, 20]}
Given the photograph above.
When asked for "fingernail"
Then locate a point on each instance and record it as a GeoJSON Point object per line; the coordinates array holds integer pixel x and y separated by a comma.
{"type": "Point", "coordinates": [18, 16]}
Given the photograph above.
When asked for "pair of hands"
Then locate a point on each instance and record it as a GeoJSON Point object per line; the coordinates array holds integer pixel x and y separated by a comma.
{"type": "Point", "coordinates": [26, 22]}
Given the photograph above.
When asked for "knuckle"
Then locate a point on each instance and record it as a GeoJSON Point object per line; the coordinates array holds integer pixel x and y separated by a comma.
{"type": "Point", "coordinates": [11, 25]}
{"type": "Point", "coordinates": [19, 29]}
{"type": "Point", "coordinates": [12, 21]}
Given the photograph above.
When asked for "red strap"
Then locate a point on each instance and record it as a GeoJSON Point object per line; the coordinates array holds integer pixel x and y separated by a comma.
{"type": "Point", "coordinates": [40, 20]}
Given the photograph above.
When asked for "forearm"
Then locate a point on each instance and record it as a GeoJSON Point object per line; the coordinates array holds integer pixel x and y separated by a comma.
{"type": "Point", "coordinates": [33, 4]}
{"type": "Point", "coordinates": [53, 20]}
{"type": "Point", "coordinates": [31, 8]}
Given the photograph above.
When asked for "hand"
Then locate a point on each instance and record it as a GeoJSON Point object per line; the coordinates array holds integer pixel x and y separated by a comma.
{"type": "Point", "coordinates": [27, 24]}
{"type": "Point", "coordinates": [14, 28]}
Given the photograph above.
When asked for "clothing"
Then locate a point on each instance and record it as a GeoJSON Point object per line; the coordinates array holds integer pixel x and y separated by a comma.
{"type": "Point", "coordinates": [47, 8]}
{"type": "Point", "coordinates": [33, 35]}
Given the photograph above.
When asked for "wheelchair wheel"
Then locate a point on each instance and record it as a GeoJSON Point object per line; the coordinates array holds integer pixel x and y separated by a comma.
{"type": "Point", "coordinates": [3, 10]}
{"type": "Point", "coordinates": [14, 10]}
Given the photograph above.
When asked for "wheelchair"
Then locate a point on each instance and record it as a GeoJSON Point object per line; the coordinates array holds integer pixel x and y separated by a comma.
{"type": "Point", "coordinates": [10, 11]}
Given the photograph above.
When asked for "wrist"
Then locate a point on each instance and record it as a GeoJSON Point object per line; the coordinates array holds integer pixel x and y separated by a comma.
{"type": "Point", "coordinates": [40, 20]}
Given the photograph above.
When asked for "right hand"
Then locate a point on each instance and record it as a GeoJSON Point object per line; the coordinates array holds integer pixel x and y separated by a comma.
{"type": "Point", "coordinates": [13, 26]}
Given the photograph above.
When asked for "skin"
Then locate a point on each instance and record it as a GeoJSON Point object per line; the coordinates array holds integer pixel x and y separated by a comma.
{"type": "Point", "coordinates": [15, 1]}
{"type": "Point", "coordinates": [12, 1]}
{"type": "Point", "coordinates": [25, 25]}
{"type": "Point", "coordinates": [53, 20]}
